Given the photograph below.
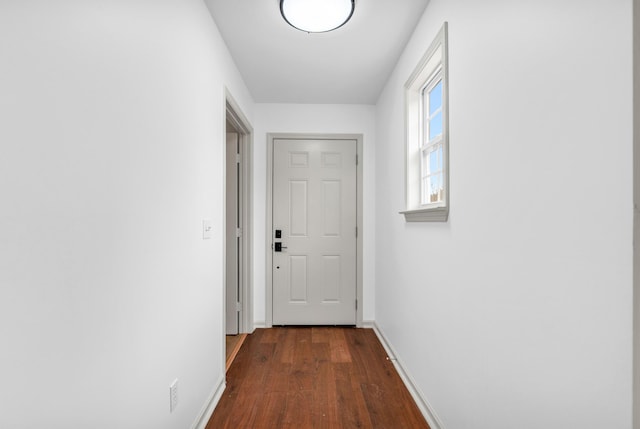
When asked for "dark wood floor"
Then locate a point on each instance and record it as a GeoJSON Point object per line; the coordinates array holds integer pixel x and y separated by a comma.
{"type": "Point", "coordinates": [233, 343]}
{"type": "Point", "coordinates": [314, 378]}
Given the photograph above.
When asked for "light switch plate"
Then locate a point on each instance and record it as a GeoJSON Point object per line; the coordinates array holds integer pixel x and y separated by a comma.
{"type": "Point", "coordinates": [173, 395]}
{"type": "Point", "coordinates": [207, 229]}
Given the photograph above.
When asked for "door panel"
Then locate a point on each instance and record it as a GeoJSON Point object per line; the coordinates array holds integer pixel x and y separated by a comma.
{"type": "Point", "coordinates": [299, 284]}
{"type": "Point", "coordinates": [314, 207]}
{"type": "Point", "coordinates": [232, 240]}
{"type": "Point", "coordinates": [298, 203]}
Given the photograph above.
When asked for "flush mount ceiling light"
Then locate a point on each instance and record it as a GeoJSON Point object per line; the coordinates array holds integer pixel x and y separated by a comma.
{"type": "Point", "coordinates": [317, 16]}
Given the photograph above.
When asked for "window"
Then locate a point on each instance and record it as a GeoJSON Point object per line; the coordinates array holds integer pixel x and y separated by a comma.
{"type": "Point", "coordinates": [427, 136]}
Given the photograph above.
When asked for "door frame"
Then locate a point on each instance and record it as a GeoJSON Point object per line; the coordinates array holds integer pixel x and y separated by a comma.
{"type": "Point", "coordinates": [636, 217]}
{"type": "Point", "coordinates": [234, 115]}
{"type": "Point", "coordinates": [269, 215]}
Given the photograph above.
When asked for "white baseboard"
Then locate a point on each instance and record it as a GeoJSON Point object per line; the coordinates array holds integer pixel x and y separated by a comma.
{"type": "Point", "coordinates": [371, 324]}
{"type": "Point", "coordinates": [210, 405]}
{"type": "Point", "coordinates": [259, 324]}
{"type": "Point", "coordinates": [422, 403]}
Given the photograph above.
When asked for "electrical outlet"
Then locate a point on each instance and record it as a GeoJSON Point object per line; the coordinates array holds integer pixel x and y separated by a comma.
{"type": "Point", "coordinates": [173, 395]}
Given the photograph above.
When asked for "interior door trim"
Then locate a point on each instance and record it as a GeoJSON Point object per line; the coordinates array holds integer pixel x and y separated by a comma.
{"type": "Point", "coordinates": [269, 216]}
{"type": "Point", "coordinates": [236, 117]}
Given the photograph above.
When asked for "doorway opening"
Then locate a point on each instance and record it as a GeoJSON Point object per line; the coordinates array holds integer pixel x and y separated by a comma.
{"type": "Point", "coordinates": [238, 150]}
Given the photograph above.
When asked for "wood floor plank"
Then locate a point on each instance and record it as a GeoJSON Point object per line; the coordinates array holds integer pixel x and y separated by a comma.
{"type": "Point", "coordinates": [324, 405]}
{"type": "Point", "coordinates": [270, 335]}
{"type": "Point", "coordinates": [352, 410]}
{"type": "Point", "coordinates": [339, 348]}
{"type": "Point", "coordinates": [320, 334]}
{"type": "Point", "coordinates": [270, 410]}
{"type": "Point", "coordinates": [286, 345]}
{"type": "Point", "coordinates": [303, 366]}
{"type": "Point", "coordinates": [316, 378]}
{"type": "Point", "coordinates": [298, 410]}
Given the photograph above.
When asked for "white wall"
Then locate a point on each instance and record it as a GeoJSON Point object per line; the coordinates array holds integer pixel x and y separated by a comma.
{"type": "Point", "coordinates": [312, 118]}
{"type": "Point", "coordinates": [517, 312]}
{"type": "Point", "coordinates": [112, 117]}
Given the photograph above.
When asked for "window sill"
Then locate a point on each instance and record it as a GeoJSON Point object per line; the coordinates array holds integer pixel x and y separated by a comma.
{"type": "Point", "coordinates": [432, 214]}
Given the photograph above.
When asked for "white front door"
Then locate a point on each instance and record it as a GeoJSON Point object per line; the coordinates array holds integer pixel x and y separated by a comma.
{"type": "Point", "coordinates": [314, 232]}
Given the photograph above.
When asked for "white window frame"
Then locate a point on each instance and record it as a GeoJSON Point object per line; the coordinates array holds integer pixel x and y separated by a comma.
{"type": "Point", "coordinates": [432, 67]}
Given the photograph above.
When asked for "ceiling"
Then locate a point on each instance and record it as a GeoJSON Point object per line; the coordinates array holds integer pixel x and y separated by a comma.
{"type": "Point", "coordinates": [350, 65]}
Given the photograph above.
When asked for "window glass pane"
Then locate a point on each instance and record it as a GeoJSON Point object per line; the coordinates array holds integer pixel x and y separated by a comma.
{"type": "Point", "coordinates": [424, 120]}
{"type": "Point", "coordinates": [435, 98]}
{"type": "Point", "coordinates": [435, 188]}
{"type": "Point", "coordinates": [430, 190]}
{"type": "Point", "coordinates": [436, 184]}
{"type": "Point", "coordinates": [435, 126]}
{"type": "Point", "coordinates": [434, 164]}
